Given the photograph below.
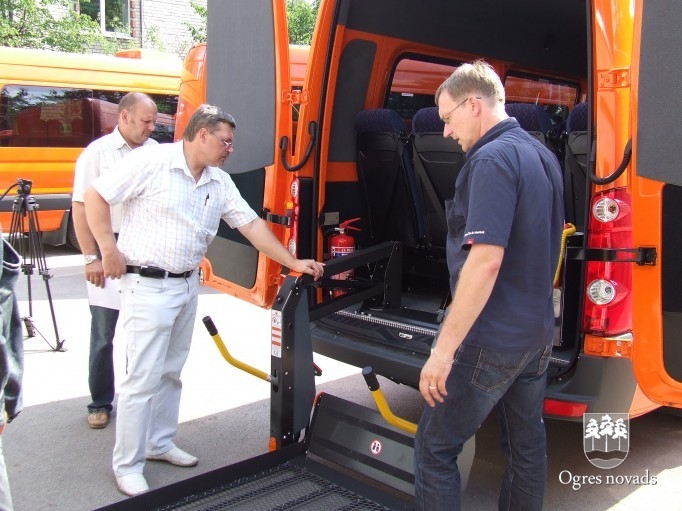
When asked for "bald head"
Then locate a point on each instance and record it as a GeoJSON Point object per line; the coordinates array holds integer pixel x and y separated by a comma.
{"type": "Point", "coordinates": [137, 114]}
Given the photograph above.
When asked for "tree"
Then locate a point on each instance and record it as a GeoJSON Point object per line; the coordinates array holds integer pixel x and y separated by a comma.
{"type": "Point", "coordinates": [47, 24]}
{"type": "Point", "coordinates": [301, 16]}
{"type": "Point", "coordinates": [198, 33]}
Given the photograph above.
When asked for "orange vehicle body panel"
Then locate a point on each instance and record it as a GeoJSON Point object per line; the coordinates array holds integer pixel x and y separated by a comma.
{"type": "Point", "coordinates": [23, 153]}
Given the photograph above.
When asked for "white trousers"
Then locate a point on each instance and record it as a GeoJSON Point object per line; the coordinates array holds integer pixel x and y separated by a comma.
{"type": "Point", "coordinates": [158, 320]}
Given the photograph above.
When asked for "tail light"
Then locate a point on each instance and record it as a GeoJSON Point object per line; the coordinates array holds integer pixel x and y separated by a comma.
{"type": "Point", "coordinates": [608, 304]}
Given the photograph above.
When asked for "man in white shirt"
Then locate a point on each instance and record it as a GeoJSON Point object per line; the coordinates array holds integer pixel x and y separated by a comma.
{"type": "Point", "coordinates": [136, 117]}
{"type": "Point", "coordinates": [173, 198]}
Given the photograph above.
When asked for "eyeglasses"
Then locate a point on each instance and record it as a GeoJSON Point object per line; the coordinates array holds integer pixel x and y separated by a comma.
{"type": "Point", "coordinates": [446, 119]}
{"type": "Point", "coordinates": [228, 145]}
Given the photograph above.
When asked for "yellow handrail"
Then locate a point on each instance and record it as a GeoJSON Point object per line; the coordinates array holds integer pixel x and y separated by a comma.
{"type": "Point", "coordinates": [213, 332]}
{"type": "Point", "coordinates": [568, 230]}
{"type": "Point", "coordinates": [382, 404]}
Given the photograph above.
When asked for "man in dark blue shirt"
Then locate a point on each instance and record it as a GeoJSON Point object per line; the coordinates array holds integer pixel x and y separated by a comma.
{"type": "Point", "coordinates": [492, 350]}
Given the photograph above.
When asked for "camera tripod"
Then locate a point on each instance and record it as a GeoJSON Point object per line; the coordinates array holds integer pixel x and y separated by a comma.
{"type": "Point", "coordinates": [25, 236]}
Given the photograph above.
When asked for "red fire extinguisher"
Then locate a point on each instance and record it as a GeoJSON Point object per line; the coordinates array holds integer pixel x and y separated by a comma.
{"type": "Point", "coordinates": [342, 244]}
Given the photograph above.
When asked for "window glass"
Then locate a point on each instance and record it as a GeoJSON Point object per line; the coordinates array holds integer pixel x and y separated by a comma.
{"type": "Point", "coordinates": [34, 116]}
{"type": "Point", "coordinates": [414, 84]}
{"type": "Point", "coordinates": [555, 97]}
{"type": "Point", "coordinates": [112, 15]}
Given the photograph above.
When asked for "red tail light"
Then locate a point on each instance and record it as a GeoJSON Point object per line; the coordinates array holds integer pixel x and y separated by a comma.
{"type": "Point", "coordinates": [608, 304]}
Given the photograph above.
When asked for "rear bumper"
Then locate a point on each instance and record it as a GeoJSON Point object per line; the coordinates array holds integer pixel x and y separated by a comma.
{"type": "Point", "coordinates": [46, 202]}
{"type": "Point", "coordinates": [605, 385]}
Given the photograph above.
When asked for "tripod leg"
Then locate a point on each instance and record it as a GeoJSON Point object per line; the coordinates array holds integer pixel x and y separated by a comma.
{"type": "Point", "coordinates": [17, 238]}
{"type": "Point", "coordinates": [39, 256]}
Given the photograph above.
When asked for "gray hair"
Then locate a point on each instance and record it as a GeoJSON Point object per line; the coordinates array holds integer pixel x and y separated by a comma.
{"type": "Point", "coordinates": [209, 117]}
{"type": "Point", "coordinates": [478, 78]}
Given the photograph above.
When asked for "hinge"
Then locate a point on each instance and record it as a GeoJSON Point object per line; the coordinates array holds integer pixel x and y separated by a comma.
{"type": "Point", "coordinates": [614, 78]}
{"type": "Point", "coordinates": [273, 218]}
{"type": "Point", "coordinates": [642, 256]}
{"type": "Point", "coordinates": [295, 97]}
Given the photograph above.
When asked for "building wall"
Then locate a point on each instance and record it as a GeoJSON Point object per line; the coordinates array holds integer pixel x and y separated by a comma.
{"type": "Point", "coordinates": [163, 24]}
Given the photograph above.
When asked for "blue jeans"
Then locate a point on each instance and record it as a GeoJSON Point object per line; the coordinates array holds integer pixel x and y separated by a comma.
{"type": "Point", "coordinates": [480, 380]}
{"type": "Point", "coordinates": [101, 377]}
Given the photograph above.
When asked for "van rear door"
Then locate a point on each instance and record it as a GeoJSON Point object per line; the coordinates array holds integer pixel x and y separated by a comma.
{"type": "Point", "coordinates": [248, 76]}
{"type": "Point", "coordinates": [657, 200]}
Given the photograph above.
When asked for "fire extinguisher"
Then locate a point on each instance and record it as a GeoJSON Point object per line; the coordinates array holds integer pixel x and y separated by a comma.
{"type": "Point", "coordinates": [342, 244]}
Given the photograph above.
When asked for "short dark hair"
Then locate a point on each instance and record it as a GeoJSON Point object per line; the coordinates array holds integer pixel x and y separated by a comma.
{"type": "Point", "coordinates": [209, 117]}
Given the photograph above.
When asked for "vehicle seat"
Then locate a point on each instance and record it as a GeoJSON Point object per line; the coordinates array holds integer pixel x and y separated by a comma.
{"type": "Point", "coordinates": [437, 163]}
{"type": "Point", "coordinates": [575, 167]}
{"type": "Point", "coordinates": [532, 119]}
{"type": "Point", "coordinates": [386, 177]}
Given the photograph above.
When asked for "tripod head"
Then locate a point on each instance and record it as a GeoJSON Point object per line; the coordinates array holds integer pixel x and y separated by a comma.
{"type": "Point", "coordinates": [24, 202]}
{"type": "Point", "coordinates": [24, 187]}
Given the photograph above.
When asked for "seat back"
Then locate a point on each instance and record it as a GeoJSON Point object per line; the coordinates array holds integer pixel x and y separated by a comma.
{"type": "Point", "coordinates": [437, 162]}
{"type": "Point", "coordinates": [576, 187]}
{"type": "Point", "coordinates": [532, 118]}
{"type": "Point", "coordinates": [386, 177]}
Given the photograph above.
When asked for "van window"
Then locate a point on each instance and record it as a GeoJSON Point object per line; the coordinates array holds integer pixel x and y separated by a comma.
{"type": "Point", "coordinates": [35, 116]}
{"type": "Point", "coordinates": [556, 98]}
{"type": "Point", "coordinates": [414, 84]}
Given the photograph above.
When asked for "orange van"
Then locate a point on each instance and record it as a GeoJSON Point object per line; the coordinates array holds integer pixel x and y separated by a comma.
{"type": "Point", "coordinates": [54, 104]}
{"type": "Point", "coordinates": [584, 76]}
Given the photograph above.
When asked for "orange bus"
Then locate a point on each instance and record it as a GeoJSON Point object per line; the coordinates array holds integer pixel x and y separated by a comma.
{"type": "Point", "coordinates": [584, 76]}
{"type": "Point", "coordinates": [53, 104]}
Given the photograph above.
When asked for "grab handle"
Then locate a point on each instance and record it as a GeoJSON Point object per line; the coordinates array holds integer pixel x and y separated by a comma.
{"type": "Point", "coordinates": [382, 404]}
{"type": "Point", "coordinates": [213, 332]}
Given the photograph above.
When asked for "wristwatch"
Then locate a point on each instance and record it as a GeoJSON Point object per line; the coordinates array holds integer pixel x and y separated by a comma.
{"type": "Point", "coordinates": [90, 258]}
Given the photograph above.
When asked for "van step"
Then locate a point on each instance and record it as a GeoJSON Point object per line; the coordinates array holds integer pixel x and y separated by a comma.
{"type": "Point", "coordinates": [380, 329]}
{"type": "Point", "coordinates": [285, 486]}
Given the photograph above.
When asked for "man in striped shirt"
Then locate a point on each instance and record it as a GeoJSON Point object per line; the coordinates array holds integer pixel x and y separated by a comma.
{"type": "Point", "coordinates": [173, 197]}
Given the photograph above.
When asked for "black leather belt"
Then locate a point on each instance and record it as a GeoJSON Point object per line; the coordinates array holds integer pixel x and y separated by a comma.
{"type": "Point", "coordinates": [157, 273]}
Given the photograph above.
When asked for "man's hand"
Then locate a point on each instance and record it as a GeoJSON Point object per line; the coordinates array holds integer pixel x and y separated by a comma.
{"type": "Point", "coordinates": [309, 266]}
{"type": "Point", "coordinates": [94, 273]}
{"type": "Point", "coordinates": [432, 380]}
{"type": "Point", "coordinates": [113, 264]}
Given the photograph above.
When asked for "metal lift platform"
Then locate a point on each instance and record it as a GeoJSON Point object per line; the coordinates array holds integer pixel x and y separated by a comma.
{"type": "Point", "coordinates": [346, 457]}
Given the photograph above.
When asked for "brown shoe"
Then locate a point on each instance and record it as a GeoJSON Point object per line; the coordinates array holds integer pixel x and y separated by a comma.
{"type": "Point", "coordinates": [98, 419]}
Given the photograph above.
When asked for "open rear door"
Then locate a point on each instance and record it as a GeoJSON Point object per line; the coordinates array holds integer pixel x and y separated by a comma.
{"type": "Point", "coordinates": [657, 199]}
{"type": "Point", "coordinates": [248, 76]}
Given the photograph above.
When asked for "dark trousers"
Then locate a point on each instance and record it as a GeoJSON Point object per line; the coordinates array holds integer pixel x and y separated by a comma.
{"type": "Point", "coordinates": [480, 380]}
{"type": "Point", "coordinates": [101, 378]}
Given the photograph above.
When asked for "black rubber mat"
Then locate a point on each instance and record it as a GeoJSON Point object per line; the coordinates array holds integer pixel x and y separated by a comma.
{"type": "Point", "coordinates": [284, 487]}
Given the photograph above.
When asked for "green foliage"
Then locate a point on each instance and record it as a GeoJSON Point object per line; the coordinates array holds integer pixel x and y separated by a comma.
{"type": "Point", "coordinates": [198, 33]}
{"type": "Point", "coordinates": [47, 24]}
{"type": "Point", "coordinates": [301, 16]}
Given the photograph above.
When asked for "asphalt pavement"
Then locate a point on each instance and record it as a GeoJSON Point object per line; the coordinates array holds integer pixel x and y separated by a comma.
{"type": "Point", "coordinates": [55, 462]}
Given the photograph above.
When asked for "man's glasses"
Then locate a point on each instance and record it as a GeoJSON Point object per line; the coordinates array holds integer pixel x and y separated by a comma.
{"type": "Point", "coordinates": [228, 145]}
{"type": "Point", "coordinates": [446, 119]}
